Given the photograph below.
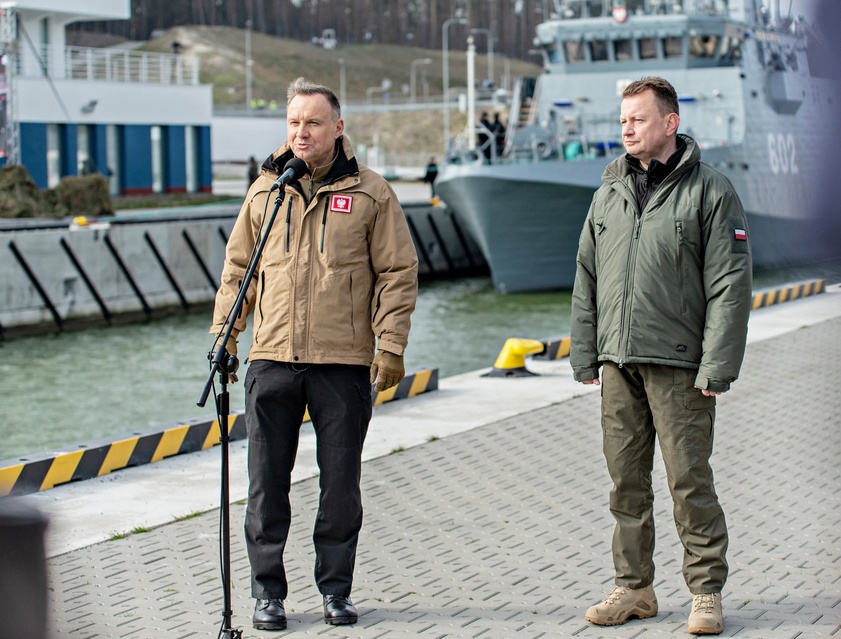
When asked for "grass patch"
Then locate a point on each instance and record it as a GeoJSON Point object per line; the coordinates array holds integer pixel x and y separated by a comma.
{"type": "Point", "coordinates": [165, 200]}
{"type": "Point", "coordinates": [192, 515]}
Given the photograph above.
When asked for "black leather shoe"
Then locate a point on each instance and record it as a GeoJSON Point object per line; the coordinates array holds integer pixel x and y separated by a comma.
{"type": "Point", "coordinates": [339, 610]}
{"type": "Point", "coordinates": [269, 614]}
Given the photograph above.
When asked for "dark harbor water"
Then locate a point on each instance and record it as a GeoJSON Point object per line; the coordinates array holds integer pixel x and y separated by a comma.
{"type": "Point", "coordinates": [66, 389]}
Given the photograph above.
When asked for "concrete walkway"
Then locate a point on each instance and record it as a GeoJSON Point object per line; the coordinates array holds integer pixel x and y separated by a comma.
{"type": "Point", "coordinates": [487, 516]}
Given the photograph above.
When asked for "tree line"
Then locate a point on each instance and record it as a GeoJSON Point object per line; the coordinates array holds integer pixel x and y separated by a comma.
{"type": "Point", "coordinates": [416, 23]}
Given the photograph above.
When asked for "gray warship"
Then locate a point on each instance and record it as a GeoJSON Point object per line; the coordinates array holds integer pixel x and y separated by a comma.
{"type": "Point", "coordinates": [752, 92]}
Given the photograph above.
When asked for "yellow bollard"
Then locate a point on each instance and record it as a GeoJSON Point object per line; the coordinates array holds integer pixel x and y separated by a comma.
{"type": "Point", "coordinates": [511, 361]}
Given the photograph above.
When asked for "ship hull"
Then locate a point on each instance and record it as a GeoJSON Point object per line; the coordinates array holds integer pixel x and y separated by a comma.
{"type": "Point", "coordinates": [526, 225]}
{"type": "Point", "coordinates": [527, 219]}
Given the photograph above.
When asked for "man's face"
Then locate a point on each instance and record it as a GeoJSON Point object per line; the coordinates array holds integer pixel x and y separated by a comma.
{"type": "Point", "coordinates": [645, 133]}
{"type": "Point", "coordinates": [311, 129]}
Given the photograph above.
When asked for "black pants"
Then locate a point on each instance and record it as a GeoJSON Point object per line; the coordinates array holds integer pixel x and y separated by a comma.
{"type": "Point", "coordinates": [339, 400]}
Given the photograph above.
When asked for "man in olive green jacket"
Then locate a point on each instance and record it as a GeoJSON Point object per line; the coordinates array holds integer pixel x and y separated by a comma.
{"type": "Point", "coordinates": [660, 304]}
{"type": "Point", "coordinates": [338, 275]}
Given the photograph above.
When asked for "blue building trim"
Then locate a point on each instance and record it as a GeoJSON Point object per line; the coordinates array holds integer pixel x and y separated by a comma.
{"type": "Point", "coordinates": [134, 155]}
{"type": "Point", "coordinates": [136, 159]}
{"type": "Point", "coordinates": [205, 165]}
{"type": "Point", "coordinates": [33, 151]}
{"type": "Point", "coordinates": [175, 170]}
{"type": "Point", "coordinates": [69, 149]}
{"type": "Point", "coordinates": [99, 148]}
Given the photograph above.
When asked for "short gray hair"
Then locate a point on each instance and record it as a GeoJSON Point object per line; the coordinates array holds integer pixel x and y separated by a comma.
{"type": "Point", "coordinates": [302, 86]}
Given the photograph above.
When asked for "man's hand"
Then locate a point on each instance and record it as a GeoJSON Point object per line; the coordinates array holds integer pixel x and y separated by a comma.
{"type": "Point", "coordinates": [231, 349]}
{"type": "Point", "coordinates": [387, 370]}
{"type": "Point", "coordinates": [710, 393]}
{"type": "Point", "coordinates": [594, 382]}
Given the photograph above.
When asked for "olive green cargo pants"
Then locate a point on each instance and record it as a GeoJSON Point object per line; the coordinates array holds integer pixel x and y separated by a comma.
{"type": "Point", "coordinates": [639, 402]}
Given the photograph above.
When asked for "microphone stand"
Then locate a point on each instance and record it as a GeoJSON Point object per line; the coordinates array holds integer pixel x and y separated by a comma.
{"type": "Point", "coordinates": [224, 364]}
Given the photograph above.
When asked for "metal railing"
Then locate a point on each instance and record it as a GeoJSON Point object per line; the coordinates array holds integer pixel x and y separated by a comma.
{"type": "Point", "coordinates": [110, 65]}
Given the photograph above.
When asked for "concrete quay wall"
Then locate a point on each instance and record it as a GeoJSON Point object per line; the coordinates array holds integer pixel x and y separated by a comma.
{"type": "Point", "coordinates": [61, 275]}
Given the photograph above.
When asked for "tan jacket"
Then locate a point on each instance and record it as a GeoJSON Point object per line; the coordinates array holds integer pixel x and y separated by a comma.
{"type": "Point", "coordinates": [333, 274]}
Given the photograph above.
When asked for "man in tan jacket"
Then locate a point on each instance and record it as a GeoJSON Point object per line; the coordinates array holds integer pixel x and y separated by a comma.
{"type": "Point", "coordinates": [337, 277]}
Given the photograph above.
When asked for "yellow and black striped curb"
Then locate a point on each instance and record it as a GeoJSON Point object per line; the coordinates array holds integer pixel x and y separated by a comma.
{"type": "Point", "coordinates": [787, 293]}
{"type": "Point", "coordinates": [43, 471]}
{"type": "Point", "coordinates": [558, 347]}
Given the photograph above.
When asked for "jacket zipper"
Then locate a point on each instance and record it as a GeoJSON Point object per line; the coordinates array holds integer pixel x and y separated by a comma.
{"type": "Point", "coordinates": [288, 221]}
{"type": "Point", "coordinates": [323, 227]}
{"type": "Point", "coordinates": [256, 329]}
{"type": "Point", "coordinates": [680, 267]}
{"type": "Point", "coordinates": [626, 311]}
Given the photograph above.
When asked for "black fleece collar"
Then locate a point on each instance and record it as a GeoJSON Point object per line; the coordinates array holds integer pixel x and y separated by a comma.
{"type": "Point", "coordinates": [342, 165]}
{"type": "Point", "coordinates": [657, 170]}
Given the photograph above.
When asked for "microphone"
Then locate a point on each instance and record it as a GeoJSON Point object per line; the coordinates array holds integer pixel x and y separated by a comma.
{"type": "Point", "coordinates": [292, 172]}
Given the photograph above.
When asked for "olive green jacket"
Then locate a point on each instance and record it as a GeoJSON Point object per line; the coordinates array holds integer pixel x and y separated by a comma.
{"type": "Point", "coordinates": [335, 272]}
{"type": "Point", "coordinates": [668, 285]}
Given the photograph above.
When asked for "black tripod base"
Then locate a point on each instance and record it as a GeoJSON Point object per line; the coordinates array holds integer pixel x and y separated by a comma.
{"type": "Point", "coordinates": [231, 633]}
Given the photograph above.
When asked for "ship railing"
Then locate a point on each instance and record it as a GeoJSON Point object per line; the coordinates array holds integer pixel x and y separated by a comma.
{"type": "Point", "coordinates": [109, 65]}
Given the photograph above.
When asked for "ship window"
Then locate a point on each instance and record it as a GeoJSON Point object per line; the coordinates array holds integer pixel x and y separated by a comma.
{"type": "Point", "coordinates": [647, 48]}
{"type": "Point", "coordinates": [731, 47]}
{"type": "Point", "coordinates": [703, 46]}
{"type": "Point", "coordinates": [673, 47]}
{"type": "Point", "coordinates": [598, 50]}
{"type": "Point", "coordinates": [574, 50]}
{"type": "Point", "coordinates": [622, 50]}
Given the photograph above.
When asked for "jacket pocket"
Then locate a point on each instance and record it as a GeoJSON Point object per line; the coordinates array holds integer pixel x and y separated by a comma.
{"type": "Point", "coordinates": [272, 315]}
{"type": "Point", "coordinates": [341, 319]}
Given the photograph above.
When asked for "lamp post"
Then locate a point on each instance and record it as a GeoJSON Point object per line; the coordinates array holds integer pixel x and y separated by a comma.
{"type": "Point", "coordinates": [385, 85]}
{"type": "Point", "coordinates": [412, 77]}
{"type": "Point", "coordinates": [446, 72]}
{"type": "Point", "coordinates": [248, 63]}
{"type": "Point", "coordinates": [506, 74]}
{"type": "Point", "coordinates": [471, 94]}
{"type": "Point", "coordinates": [342, 83]}
{"type": "Point", "coordinates": [490, 38]}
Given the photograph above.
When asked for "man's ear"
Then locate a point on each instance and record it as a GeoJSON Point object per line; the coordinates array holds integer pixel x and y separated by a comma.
{"type": "Point", "coordinates": [672, 122]}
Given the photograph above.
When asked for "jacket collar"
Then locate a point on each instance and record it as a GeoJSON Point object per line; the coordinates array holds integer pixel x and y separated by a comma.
{"type": "Point", "coordinates": [345, 163]}
{"type": "Point", "coordinates": [620, 168]}
{"type": "Point", "coordinates": [658, 170]}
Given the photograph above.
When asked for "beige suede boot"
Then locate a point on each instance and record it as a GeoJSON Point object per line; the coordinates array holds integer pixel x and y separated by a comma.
{"type": "Point", "coordinates": [706, 618]}
{"type": "Point", "coordinates": [621, 604]}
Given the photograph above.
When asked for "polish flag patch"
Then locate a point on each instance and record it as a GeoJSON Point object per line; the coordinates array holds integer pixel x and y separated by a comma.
{"type": "Point", "coordinates": [344, 203]}
{"type": "Point", "coordinates": [740, 234]}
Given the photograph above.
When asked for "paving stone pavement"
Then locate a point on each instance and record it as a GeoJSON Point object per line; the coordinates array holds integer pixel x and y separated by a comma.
{"type": "Point", "coordinates": [504, 530]}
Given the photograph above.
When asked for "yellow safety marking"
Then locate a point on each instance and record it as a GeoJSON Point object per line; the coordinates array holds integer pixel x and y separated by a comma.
{"type": "Point", "coordinates": [563, 348]}
{"type": "Point", "coordinates": [385, 396]}
{"type": "Point", "coordinates": [118, 455]}
{"type": "Point", "coordinates": [757, 302]}
{"type": "Point", "coordinates": [170, 442]}
{"type": "Point", "coordinates": [307, 417]}
{"type": "Point", "coordinates": [214, 433]}
{"type": "Point", "coordinates": [797, 290]}
{"type": "Point", "coordinates": [8, 477]}
{"type": "Point", "coordinates": [784, 295]}
{"type": "Point", "coordinates": [420, 382]}
{"type": "Point", "coordinates": [62, 469]}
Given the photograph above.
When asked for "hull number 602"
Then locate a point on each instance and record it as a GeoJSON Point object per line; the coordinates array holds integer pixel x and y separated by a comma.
{"type": "Point", "coordinates": [782, 154]}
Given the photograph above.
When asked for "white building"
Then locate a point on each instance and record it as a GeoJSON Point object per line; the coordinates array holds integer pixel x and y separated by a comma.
{"type": "Point", "coordinates": [142, 118]}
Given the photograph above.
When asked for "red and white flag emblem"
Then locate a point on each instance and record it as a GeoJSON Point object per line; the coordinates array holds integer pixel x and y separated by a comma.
{"type": "Point", "coordinates": [740, 234]}
{"type": "Point", "coordinates": [343, 203]}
